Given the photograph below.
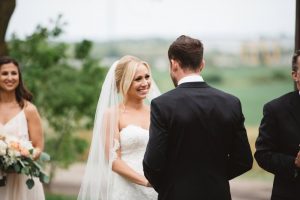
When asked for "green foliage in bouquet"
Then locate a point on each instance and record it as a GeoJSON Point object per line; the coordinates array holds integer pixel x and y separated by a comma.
{"type": "Point", "coordinates": [32, 168]}
{"type": "Point", "coordinates": [17, 155]}
{"type": "Point", "coordinates": [26, 166]}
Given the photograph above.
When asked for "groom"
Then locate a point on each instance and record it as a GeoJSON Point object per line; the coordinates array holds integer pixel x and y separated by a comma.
{"type": "Point", "coordinates": [198, 141]}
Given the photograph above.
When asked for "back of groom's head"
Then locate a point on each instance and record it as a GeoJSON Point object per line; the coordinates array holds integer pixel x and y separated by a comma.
{"type": "Point", "coordinates": [187, 51]}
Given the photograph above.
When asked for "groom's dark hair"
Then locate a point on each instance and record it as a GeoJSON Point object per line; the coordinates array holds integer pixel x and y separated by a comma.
{"type": "Point", "coordinates": [187, 51]}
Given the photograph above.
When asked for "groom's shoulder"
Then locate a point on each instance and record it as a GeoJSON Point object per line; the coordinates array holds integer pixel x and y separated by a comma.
{"type": "Point", "coordinates": [281, 101]}
{"type": "Point", "coordinates": [223, 94]}
{"type": "Point", "coordinates": [167, 95]}
{"type": "Point", "coordinates": [211, 91]}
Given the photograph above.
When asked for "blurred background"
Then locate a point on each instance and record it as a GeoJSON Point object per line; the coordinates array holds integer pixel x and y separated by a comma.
{"type": "Point", "coordinates": [66, 46]}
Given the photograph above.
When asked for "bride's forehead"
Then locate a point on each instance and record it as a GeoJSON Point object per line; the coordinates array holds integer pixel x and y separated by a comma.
{"type": "Point", "coordinates": [141, 69]}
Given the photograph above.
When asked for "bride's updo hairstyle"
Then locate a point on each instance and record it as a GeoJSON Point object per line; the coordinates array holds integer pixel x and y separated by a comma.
{"type": "Point", "coordinates": [125, 71]}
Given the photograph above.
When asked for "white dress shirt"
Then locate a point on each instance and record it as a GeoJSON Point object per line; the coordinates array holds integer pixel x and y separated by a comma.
{"type": "Point", "coordinates": [191, 78]}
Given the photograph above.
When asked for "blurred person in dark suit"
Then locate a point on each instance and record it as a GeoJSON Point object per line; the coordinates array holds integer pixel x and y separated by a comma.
{"type": "Point", "coordinates": [277, 145]}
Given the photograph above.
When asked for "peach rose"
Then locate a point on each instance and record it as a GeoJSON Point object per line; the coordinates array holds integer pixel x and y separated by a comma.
{"type": "Point", "coordinates": [2, 137]}
{"type": "Point", "coordinates": [24, 152]}
{"type": "Point", "coordinates": [15, 146]}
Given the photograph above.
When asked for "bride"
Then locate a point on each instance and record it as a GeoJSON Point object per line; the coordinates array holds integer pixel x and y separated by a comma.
{"type": "Point", "coordinates": [114, 168]}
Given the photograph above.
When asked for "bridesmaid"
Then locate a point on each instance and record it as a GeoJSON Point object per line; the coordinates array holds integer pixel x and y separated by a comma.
{"type": "Point", "coordinates": [19, 117]}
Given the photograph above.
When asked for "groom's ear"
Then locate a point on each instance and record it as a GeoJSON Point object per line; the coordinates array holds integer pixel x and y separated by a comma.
{"type": "Point", "coordinates": [202, 65]}
{"type": "Point", "coordinates": [295, 76]}
{"type": "Point", "coordinates": [174, 65]}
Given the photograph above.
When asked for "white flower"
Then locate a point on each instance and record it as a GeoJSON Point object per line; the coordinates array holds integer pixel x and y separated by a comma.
{"type": "Point", "coordinates": [9, 160]}
{"type": "Point", "coordinates": [26, 144]}
{"type": "Point", "coordinates": [13, 153]}
{"type": "Point", "coordinates": [3, 148]}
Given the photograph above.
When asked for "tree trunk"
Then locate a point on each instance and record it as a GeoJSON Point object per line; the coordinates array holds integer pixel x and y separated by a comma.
{"type": "Point", "coordinates": [7, 8]}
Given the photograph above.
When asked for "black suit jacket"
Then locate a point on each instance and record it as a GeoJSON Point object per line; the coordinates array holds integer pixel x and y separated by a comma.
{"type": "Point", "coordinates": [278, 143]}
{"type": "Point", "coordinates": [197, 143]}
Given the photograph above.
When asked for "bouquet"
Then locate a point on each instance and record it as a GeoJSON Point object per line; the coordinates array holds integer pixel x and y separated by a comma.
{"type": "Point", "coordinates": [18, 156]}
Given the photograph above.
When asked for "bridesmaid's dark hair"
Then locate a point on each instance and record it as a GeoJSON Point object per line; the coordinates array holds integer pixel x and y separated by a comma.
{"type": "Point", "coordinates": [22, 93]}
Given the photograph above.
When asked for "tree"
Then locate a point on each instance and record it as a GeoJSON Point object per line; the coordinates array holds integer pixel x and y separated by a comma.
{"type": "Point", "coordinates": [7, 8]}
{"type": "Point", "coordinates": [65, 82]}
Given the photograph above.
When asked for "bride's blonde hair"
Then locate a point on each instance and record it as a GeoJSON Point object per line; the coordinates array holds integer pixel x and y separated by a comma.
{"type": "Point", "coordinates": [125, 71]}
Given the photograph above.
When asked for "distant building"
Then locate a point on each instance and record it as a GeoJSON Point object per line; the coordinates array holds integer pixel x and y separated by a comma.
{"type": "Point", "coordinates": [263, 52]}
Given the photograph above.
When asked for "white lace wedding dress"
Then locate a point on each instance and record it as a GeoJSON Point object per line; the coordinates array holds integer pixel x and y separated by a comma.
{"type": "Point", "coordinates": [16, 188]}
{"type": "Point", "coordinates": [133, 141]}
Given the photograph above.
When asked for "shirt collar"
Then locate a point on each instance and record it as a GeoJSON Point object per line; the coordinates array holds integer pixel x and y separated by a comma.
{"type": "Point", "coordinates": [191, 78]}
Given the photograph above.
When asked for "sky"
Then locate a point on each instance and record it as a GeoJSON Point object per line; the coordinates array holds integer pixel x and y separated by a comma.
{"type": "Point", "coordinates": [102, 20]}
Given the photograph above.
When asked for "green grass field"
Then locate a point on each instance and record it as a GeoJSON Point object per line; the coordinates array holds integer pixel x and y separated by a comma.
{"type": "Point", "coordinates": [59, 197]}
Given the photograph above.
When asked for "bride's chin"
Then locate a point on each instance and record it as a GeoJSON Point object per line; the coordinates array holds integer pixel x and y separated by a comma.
{"type": "Point", "coordinates": [143, 96]}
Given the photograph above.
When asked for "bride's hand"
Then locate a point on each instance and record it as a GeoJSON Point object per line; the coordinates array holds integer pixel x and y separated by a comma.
{"type": "Point", "coordinates": [36, 153]}
{"type": "Point", "coordinates": [148, 184]}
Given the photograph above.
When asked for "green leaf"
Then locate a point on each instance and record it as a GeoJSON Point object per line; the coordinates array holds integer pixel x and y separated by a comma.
{"type": "Point", "coordinates": [30, 183]}
{"type": "Point", "coordinates": [44, 157]}
{"type": "Point", "coordinates": [17, 167]}
{"type": "Point", "coordinates": [36, 166]}
{"type": "Point", "coordinates": [25, 171]}
{"type": "Point", "coordinates": [31, 151]}
{"type": "Point", "coordinates": [21, 163]}
{"type": "Point", "coordinates": [44, 178]}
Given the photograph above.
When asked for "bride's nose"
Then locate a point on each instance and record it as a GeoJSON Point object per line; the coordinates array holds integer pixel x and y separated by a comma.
{"type": "Point", "coordinates": [144, 82]}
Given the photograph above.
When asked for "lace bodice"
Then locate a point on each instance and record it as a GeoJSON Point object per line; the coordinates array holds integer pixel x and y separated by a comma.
{"type": "Point", "coordinates": [133, 137]}
{"type": "Point", "coordinates": [133, 142]}
{"type": "Point", "coordinates": [16, 126]}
